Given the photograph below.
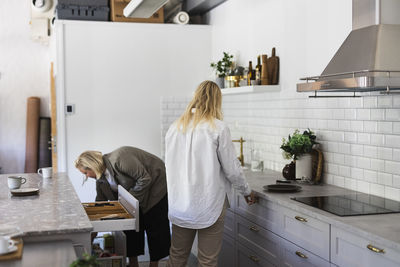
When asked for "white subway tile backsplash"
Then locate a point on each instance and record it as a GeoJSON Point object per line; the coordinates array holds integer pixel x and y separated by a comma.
{"type": "Point", "coordinates": [377, 139]}
{"type": "Point", "coordinates": [364, 138]}
{"type": "Point", "coordinates": [370, 151]}
{"type": "Point", "coordinates": [392, 141]}
{"type": "Point", "coordinates": [385, 101]}
{"type": "Point", "coordinates": [377, 189]}
{"type": "Point", "coordinates": [350, 114]}
{"type": "Point", "coordinates": [350, 137]}
{"type": "Point", "coordinates": [360, 137]}
{"type": "Point", "coordinates": [357, 126]}
{"type": "Point", "coordinates": [385, 179]}
{"type": "Point", "coordinates": [370, 102]}
{"type": "Point", "coordinates": [392, 167]}
{"type": "Point", "coordinates": [357, 173]}
{"type": "Point", "coordinates": [393, 114]}
{"type": "Point", "coordinates": [377, 114]}
{"type": "Point", "coordinates": [370, 126]}
{"type": "Point", "coordinates": [385, 153]}
{"type": "Point", "coordinates": [357, 150]}
{"type": "Point", "coordinates": [370, 176]}
{"type": "Point", "coordinates": [385, 127]}
{"type": "Point", "coordinates": [363, 114]}
{"type": "Point", "coordinates": [377, 165]}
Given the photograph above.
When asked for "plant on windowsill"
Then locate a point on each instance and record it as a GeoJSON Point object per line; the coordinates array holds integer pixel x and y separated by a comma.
{"type": "Point", "coordinates": [298, 148]}
{"type": "Point", "coordinates": [222, 68]}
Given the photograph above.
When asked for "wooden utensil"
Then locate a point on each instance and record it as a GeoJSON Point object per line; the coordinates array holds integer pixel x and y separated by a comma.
{"type": "Point", "coordinates": [273, 68]}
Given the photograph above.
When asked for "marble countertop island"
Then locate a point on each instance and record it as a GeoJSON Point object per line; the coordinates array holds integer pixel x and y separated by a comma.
{"type": "Point", "coordinates": [55, 210]}
{"type": "Point", "coordinates": [384, 228]}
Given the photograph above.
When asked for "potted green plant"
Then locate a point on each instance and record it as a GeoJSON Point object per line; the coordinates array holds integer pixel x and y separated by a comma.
{"type": "Point", "coordinates": [298, 147]}
{"type": "Point", "coordinates": [85, 261]}
{"type": "Point", "coordinates": [222, 68]}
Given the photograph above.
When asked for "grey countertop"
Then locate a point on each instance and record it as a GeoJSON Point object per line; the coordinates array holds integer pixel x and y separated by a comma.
{"type": "Point", "coordinates": [382, 228]}
{"type": "Point", "coordinates": [55, 210]}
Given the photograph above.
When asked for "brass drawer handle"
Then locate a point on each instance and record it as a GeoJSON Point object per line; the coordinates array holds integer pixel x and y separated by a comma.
{"type": "Point", "coordinates": [301, 255]}
{"type": "Point", "coordinates": [254, 228]}
{"type": "Point", "coordinates": [254, 258]}
{"type": "Point", "coordinates": [374, 249]}
{"type": "Point", "coordinates": [301, 219]}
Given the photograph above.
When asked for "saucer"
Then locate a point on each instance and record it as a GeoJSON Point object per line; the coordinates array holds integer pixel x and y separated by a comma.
{"type": "Point", "coordinates": [24, 191]}
{"type": "Point", "coordinates": [10, 250]}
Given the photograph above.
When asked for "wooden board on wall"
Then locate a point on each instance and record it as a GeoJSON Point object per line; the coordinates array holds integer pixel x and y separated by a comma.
{"type": "Point", "coordinates": [53, 118]}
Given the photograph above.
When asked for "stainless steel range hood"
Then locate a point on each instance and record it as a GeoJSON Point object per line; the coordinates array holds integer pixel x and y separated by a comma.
{"type": "Point", "coordinates": [369, 58]}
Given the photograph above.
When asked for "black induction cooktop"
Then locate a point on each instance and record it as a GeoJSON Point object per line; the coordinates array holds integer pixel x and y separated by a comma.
{"type": "Point", "coordinates": [352, 204]}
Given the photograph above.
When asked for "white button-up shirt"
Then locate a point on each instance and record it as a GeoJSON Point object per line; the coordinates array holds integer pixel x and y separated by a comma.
{"type": "Point", "coordinates": [201, 167]}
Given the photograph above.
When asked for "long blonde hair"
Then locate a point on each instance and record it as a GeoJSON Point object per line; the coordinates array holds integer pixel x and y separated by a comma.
{"type": "Point", "coordinates": [207, 101]}
{"type": "Point", "coordinates": [92, 160]}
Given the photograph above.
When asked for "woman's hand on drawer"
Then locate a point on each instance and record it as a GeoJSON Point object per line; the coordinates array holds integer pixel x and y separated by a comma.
{"type": "Point", "coordinates": [252, 198]}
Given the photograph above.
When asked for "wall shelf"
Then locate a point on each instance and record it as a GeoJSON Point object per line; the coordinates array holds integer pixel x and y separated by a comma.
{"type": "Point", "coordinates": [251, 89]}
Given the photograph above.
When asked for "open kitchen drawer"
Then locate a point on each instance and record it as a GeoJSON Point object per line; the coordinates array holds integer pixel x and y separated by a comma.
{"type": "Point", "coordinates": [107, 216]}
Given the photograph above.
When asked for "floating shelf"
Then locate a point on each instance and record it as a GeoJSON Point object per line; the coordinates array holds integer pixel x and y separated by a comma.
{"type": "Point", "coordinates": [251, 89]}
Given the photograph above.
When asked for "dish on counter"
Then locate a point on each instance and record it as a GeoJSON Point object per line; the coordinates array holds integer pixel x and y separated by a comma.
{"type": "Point", "coordinates": [24, 191]}
{"type": "Point", "coordinates": [11, 249]}
{"type": "Point", "coordinates": [282, 188]}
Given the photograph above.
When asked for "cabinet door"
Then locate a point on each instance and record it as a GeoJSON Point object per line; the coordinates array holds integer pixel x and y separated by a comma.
{"type": "Point", "coordinates": [264, 213]}
{"type": "Point", "coordinates": [293, 255]}
{"type": "Point", "coordinates": [248, 258]}
{"type": "Point", "coordinates": [226, 256]}
{"type": "Point", "coordinates": [307, 232]}
{"type": "Point", "coordinates": [348, 249]}
{"type": "Point", "coordinates": [258, 239]}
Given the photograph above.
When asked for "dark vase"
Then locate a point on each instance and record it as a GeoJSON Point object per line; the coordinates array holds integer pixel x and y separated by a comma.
{"type": "Point", "coordinates": [289, 171]}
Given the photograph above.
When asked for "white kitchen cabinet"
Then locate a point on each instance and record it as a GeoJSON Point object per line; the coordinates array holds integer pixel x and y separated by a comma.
{"type": "Point", "coordinates": [294, 256]}
{"type": "Point", "coordinates": [348, 249]}
{"type": "Point", "coordinates": [247, 258]}
{"type": "Point", "coordinates": [264, 213]}
{"type": "Point", "coordinates": [307, 232]}
{"type": "Point", "coordinates": [226, 256]}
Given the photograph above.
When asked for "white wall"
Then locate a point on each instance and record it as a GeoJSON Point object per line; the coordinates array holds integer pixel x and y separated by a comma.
{"type": "Point", "coordinates": [24, 72]}
{"type": "Point", "coordinates": [360, 137]}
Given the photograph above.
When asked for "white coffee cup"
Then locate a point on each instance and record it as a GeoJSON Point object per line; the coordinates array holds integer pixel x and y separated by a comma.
{"type": "Point", "coordinates": [6, 244]}
{"type": "Point", "coordinates": [15, 182]}
{"type": "Point", "coordinates": [45, 172]}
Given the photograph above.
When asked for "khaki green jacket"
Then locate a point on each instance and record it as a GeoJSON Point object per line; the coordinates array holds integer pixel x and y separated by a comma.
{"type": "Point", "coordinates": [139, 172]}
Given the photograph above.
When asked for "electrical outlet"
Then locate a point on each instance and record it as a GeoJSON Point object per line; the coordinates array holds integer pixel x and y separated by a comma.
{"type": "Point", "coordinates": [69, 109]}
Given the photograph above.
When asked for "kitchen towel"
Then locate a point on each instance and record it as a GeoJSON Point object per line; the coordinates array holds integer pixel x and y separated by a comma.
{"type": "Point", "coordinates": [32, 135]}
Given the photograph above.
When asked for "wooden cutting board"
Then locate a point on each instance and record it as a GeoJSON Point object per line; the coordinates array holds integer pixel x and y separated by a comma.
{"type": "Point", "coordinates": [273, 68]}
{"type": "Point", "coordinates": [15, 255]}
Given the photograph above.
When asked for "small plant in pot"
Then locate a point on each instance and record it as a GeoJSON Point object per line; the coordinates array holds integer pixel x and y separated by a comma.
{"type": "Point", "coordinates": [222, 68]}
{"type": "Point", "coordinates": [298, 147]}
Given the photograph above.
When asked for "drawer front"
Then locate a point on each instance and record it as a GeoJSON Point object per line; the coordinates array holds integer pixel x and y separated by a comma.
{"type": "Point", "coordinates": [293, 255]}
{"type": "Point", "coordinates": [348, 249]}
{"type": "Point", "coordinates": [226, 257]}
{"type": "Point", "coordinates": [311, 234]}
{"type": "Point", "coordinates": [229, 223]}
{"type": "Point", "coordinates": [263, 213]}
{"type": "Point", "coordinates": [114, 225]}
{"type": "Point", "coordinates": [248, 258]}
{"type": "Point", "coordinates": [255, 237]}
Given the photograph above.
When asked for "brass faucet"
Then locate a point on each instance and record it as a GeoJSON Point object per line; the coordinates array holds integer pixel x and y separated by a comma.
{"type": "Point", "coordinates": [241, 157]}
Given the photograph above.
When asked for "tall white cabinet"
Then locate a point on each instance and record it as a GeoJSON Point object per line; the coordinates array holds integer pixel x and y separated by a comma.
{"type": "Point", "coordinates": [112, 76]}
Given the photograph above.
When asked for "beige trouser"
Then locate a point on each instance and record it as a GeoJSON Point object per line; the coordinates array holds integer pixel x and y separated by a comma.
{"type": "Point", "coordinates": [209, 243]}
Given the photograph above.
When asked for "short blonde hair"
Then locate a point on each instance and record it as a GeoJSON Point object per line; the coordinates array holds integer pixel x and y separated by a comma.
{"type": "Point", "coordinates": [92, 160]}
{"type": "Point", "coordinates": [207, 101]}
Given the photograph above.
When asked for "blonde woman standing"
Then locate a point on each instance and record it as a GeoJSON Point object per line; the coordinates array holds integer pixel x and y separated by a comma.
{"type": "Point", "coordinates": [201, 167]}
